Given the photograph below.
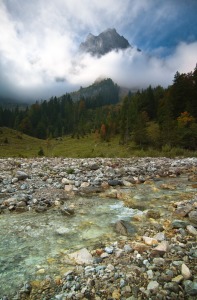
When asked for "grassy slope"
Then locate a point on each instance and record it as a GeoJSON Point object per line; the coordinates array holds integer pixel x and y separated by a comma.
{"type": "Point", "coordinates": [15, 144]}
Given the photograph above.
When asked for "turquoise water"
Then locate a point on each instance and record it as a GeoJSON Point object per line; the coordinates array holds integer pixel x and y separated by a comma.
{"type": "Point", "coordinates": [29, 240]}
{"type": "Point", "coordinates": [33, 245]}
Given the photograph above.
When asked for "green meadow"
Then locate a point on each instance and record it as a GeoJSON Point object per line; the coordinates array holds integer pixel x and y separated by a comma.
{"type": "Point", "coordinates": [16, 144]}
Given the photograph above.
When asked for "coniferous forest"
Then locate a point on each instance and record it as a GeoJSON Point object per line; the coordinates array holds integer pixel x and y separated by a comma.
{"type": "Point", "coordinates": [155, 117]}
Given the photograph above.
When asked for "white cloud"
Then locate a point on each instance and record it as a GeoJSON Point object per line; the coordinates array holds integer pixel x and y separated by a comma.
{"type": "Point", "coordinates": [130, 68]}
{"type": "Point", "coordinates": [39, 41]}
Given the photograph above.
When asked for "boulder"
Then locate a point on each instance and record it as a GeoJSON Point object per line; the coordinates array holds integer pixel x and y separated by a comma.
{"type": "Point", "coordinates": [82, 256]}
{"type": "Point", "coordinates": [20, 175]}
{"type": "Point", "coordinates": [124, 228]}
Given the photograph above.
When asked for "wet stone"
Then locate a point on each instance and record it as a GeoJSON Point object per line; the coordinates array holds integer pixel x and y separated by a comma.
{"type": "Point", "coordinates": [179, 224]}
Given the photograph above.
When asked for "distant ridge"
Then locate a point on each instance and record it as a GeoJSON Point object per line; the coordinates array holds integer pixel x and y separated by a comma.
{"type": "Point", "coordinates": [105, 90]}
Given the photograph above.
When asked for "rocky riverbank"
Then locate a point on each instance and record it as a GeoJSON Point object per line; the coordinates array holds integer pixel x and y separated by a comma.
{"type": "Point", "coordinates": [42, 183]}
{"type": "Point", "coordinates": [158, 262]}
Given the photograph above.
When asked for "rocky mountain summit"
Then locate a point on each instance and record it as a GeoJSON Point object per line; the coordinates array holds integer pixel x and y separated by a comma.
{"type": "Point", "coordinates": [105, 42]}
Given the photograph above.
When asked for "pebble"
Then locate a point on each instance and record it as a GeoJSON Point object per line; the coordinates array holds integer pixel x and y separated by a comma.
{"type": "Point", "coordinates": [153, 286]}
{"type": "Point", "coordinates": [185, 271]}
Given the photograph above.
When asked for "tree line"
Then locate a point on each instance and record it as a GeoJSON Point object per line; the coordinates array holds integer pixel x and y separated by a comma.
{"type": "Point", "coordinates": [153, 117]}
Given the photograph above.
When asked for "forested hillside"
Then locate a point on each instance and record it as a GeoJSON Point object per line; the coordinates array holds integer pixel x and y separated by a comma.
{"type": "Point", "coordinates": [155, 117]}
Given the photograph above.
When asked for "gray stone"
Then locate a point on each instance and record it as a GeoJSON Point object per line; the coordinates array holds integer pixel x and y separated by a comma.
{"type": "Point", "coordinates": [124, 228]}
{"type": "Point", "coordinates": [183, 211]}
{"type": "Point", "coordinates": [190, 287]}
{"type": "Point", "coordinates": [21, 175]}
{"type": "Point", "coordinates": [94, 167]}
{"type": "Point", "coordinates": [160, 236]}
{"type": "Point", "coordinates": [172, 286]}
{"type": "Point", "coordinates": [193, 216]}
{"type": "Point", "coordinates": [127, 248]}
{"type": "Point", "coordinates": [114, 182]}
{"type": "Point", "coordinates": [159, 261]}
{"type": "Point", "coordinates": [192, 230]}
{"type": "Point", "coordinates": [179, 224]}
{"type": "Point", "coordinates": [153, 286]}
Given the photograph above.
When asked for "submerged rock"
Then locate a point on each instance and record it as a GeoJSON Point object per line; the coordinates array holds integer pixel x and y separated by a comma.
{"type": "Point", "coordinates": [179, 224]}
{"type": "Point", "coordinates": [124, 228]}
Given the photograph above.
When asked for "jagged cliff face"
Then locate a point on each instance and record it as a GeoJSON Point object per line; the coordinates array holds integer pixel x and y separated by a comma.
{"type": "Point", "coordinates": [105, 42]}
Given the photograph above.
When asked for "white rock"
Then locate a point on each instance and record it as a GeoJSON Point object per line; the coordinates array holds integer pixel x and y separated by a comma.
{"type": "Point", "coordinates": [104, 255]}
{"type": "Point", "coordinates": [68, 188]}
{"type": "Point", "coordinates": [185, 271]}
{"type": "Point", "coordinates": [109, 268]}
{"type": "Point", "coordinates": [65, 181]}
{"type": "Point", "coordinates": [85, 184]}
{"type": "Point", "coordinates": [191, 229]}
{"type": "Point", "coordinates": [149, 241]}
{"type": "Point", "coordinates": [150, 274]}
{"type": "Point", "coordinates": [82, 256]}
{"type": "Point", "coordinates": [152, 286]}
{"type": "Point", "coordinates": [62, 230]}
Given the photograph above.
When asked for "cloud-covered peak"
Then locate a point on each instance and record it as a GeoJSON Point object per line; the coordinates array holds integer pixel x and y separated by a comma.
{"type": "Point", "coordinates": [105, 42]}
{"type": "Point", "coordinates": [39, 44]}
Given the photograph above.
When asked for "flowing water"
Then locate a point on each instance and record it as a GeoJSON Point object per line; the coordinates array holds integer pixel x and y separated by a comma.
{"type": "Point", "coordinates": [33, 245]}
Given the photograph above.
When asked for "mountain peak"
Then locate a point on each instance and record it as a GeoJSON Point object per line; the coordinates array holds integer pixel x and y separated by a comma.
{"type": "Point", "coordinates": [105, 42]}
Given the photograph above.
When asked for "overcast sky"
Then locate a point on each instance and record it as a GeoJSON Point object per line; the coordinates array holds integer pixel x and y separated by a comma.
{"type": "Point", "coordinates": [39, 40]}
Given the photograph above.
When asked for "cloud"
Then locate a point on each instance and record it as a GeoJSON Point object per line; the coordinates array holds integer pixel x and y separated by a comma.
{"type": "Point", "coordinates": [39, 42]}
{"type": "Point", "coordinates": [133, 69]}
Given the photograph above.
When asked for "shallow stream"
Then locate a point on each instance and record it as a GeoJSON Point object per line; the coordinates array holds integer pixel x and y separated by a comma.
{"type": "Point", "coordinates": [33, 245]}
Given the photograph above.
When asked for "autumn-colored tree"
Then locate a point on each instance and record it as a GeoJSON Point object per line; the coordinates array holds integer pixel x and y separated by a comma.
{"type": "Point", "coordinates": [185, 119]}
{"type": "Point", "coordinates": [103, 131]}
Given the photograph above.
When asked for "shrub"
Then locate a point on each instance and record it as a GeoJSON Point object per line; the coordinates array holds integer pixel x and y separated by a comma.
{"type": "Point", "coordinates": [70, 171]}
{"type": "Point", "coordinates": [41, 152]}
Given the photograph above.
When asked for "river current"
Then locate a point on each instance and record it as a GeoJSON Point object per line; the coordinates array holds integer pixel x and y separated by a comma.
{"type": "Point", "coordinates": [33, 245]}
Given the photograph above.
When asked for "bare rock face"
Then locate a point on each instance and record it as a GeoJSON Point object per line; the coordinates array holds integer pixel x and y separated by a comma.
{"type": "Point", "coordinates": [105, 42]}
